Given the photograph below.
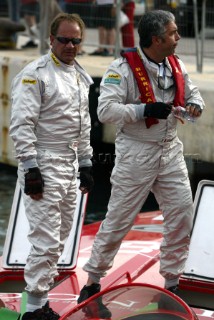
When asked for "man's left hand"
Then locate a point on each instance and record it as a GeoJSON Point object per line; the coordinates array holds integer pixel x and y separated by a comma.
{"type": "Point", "coordinates": [86, 179]}
{"type": "Point", "coordinates": [193, 109]}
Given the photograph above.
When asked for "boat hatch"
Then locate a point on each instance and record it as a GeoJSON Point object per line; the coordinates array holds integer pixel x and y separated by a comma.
{"type": "Point", "coordinates": [200, 261]}
{"type": "Point", "coordinates": [197, 282]}
{"type": "Point", "coordinates": [17, 246]}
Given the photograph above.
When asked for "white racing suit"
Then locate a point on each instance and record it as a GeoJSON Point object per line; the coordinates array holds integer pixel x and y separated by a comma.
{"type": "Point", "coordinates": [50, 127]}
{"type": "Point", "coordinates": [146, 160]}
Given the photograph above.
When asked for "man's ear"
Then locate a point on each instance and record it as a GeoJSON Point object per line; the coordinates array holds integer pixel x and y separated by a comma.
{"type": "Point", "coordinates": [156, 40]}
{"type": "Point", "coordinates": [51, 39]}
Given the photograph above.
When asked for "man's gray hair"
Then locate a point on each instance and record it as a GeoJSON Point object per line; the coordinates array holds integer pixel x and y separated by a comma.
{"type": "Point", "coordinates": [153, 23]}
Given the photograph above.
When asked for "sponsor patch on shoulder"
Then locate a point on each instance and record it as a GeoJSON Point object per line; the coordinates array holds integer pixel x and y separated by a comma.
{"type": "Point", "coordinates": [29, 81]}
{"type": "Point", "coordinates": [113, 78]}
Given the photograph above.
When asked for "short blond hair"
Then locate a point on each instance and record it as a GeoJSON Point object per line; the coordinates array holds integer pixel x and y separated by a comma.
{"type": "Point", "coordinates": [66, 17]}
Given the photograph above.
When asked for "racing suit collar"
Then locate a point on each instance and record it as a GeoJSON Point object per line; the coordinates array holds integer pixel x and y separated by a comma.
{"type": "Point", "coordinates": [83, 73]}
{"type": "Point", "coordinates": [148, 58]}
{"type": "Point", "coordinates": [68, 68]}
{"type": "Point", "coordinates": [59, 63]}
{"type": "Point", "coordinates": [154, 66]}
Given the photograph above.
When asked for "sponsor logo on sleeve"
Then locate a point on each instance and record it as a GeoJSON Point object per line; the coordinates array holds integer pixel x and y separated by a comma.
{"type": "Point", "coordinates": [113, 78]}
{"type": "Point", "coordinates": [29, 81]}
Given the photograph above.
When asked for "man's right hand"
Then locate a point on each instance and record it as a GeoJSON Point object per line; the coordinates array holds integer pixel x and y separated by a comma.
{"type": "Point", "coordinates": [158, 110]}
{"type": "Point", "coordinates": [34, 184]}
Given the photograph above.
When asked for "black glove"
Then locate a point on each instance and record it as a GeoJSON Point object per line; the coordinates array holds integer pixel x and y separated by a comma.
{"type": "Point", "coordinates": [86, 178]}
{"type": "Point", "coordinates": [33, 181]}
{"type": "Point", "coordinates": [157, 110]}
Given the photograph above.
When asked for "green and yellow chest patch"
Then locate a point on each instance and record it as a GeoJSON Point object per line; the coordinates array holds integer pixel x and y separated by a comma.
{"type": "Point", "coordinates": [113, 78]}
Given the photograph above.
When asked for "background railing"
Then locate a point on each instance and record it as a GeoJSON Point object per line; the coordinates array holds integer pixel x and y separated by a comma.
{"type": "Point", "coordinates": [195, 20]}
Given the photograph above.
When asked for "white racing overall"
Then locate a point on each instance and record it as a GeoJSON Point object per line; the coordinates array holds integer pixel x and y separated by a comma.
{"type": "Point", "coordinates": [50, 126]}
{"type": "Point", "coordinates": [146, 160]}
